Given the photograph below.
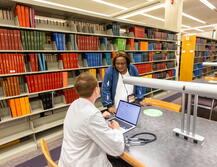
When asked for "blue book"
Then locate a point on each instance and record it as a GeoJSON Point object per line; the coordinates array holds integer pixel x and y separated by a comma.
{"type": "Point", "coordinates": [60, 41]}
{"type": "Point", "coordinates": [43, 61]}
{"type": "Point", "coordinates": [55, 38]}
{"type": "Point", "coordinates": [40, 63]}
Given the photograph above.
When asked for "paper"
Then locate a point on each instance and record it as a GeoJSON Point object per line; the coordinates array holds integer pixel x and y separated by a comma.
{"type": "Point", "coordinates": [153, 112]}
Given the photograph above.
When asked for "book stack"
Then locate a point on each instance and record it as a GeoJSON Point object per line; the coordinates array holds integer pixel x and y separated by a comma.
{"type": "Point", "coordinates": [33, 40]}
{"type": "Point", "coordinates": [70, 95]}
{"type": "Point", "coordinates": [158, 66]}
{"type": "Point", "coordinates": [19, 106]}
{"type": "Point", "coordinates": [41, 82]}
{"type": "Point", "coordinates": [10, 86]}
{"type": "Point", "coordinates": [144, 68]}
{"type": "Point", "coordinates": [93, 59]}
{"type": "Point", "coordinates": [10, 39]}
{"type": "Point", "coordinates": [25, 16]}
{"type": "Point", "coordinates": [12, 63]}
{"type": "Point", "coordinates": [87, 42]}
{"type": "Point", "coordinates": [69, 60]}
{"type": "Point", "coordinates": [139, 32]}
{"type": "Point", "coordinates": [47, 100]}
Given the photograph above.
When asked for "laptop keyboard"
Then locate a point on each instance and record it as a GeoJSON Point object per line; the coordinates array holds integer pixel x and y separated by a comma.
{"type": "Point", "coordinates": [123, 124]}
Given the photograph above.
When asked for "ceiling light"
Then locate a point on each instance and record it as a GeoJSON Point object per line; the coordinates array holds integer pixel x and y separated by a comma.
{"type": "Point", "coordinates": [110, 4]}
{"type": "Point", "coordinates": [70, 7]}
{"type": "Point", "coordinates": [185, 26]}
{"type": "Point", "coordinates": [142, 11]}
{"type": "Point", "coordinates": [197, 29]}
{"type": "Point", "coordinates": [193, 18]}
{"type": "Point", "coordinates": [206, 26]}
{"type": "Point", "coordinates": [208, 4]}
{"type": "Point", "coordinates": [153, 17]}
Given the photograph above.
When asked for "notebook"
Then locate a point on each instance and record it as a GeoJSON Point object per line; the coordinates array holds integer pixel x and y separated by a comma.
{"type": "Point", "coordinates": [127, 115]}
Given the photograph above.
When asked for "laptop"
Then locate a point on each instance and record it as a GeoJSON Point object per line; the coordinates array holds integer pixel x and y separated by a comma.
{"type": "Point", "coordinates": [127, 115]}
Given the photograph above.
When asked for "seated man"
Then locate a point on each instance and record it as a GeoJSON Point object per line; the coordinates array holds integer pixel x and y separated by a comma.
{"type": "Point", "coordinates": [87, 137]}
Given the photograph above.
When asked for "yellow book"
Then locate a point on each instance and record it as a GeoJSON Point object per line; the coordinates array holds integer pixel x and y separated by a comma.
{"type": "Point", "coordinates": [13, 107]}
{"type": "Point", "coordinates": [27, 105]}
{"type": "Point", "coordinates": [23, 106]}
{"type": "Point", "coordinates": [18, 107]}
{"type": "Point", "coordinates": [147, 76]}
{"type": "Point", "coordinates": [93, 71]}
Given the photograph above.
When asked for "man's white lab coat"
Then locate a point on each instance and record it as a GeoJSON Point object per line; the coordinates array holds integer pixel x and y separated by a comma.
{"type": "Point", "coordinates": [87, 137]}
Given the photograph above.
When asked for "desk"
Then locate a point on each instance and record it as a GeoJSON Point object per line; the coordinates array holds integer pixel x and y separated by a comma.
{"type": "Point", "coordinates": [171, 151]}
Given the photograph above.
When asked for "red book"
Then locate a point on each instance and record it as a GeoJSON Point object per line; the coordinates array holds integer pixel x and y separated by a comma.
{"type": "Point", "coordinates": [23, 17]}
{"type": "Point", "coordinates": [6, 39]}
{"type": "Point", "coordinates": [28, 83]}
{"type": "Point", "coordinates": [40, 88]}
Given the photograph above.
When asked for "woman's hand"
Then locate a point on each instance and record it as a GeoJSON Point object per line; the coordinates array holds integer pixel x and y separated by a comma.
{"type": "Point", "coordinates": [106, 114]}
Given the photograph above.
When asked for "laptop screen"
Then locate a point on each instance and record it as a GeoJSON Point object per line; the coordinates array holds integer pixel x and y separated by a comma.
{"type": "Point", "coordinates": [128, 112]}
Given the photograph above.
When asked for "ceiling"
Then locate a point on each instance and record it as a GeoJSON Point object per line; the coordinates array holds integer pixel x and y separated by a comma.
{"type": "Point", "coordinates": [192, 7]}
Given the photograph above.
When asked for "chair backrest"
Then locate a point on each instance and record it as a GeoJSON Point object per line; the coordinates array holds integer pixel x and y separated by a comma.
{"type": "Point", "coordinates": [46, 152]}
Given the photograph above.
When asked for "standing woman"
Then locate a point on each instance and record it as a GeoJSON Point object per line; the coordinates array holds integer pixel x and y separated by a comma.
{"type": "Point", "coordinates": [113, 88]}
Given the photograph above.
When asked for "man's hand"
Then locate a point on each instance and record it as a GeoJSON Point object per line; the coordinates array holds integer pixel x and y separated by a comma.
{"type": "Point", "coordinates": [112, 110]}
{"type": "Point", "coordinates": [113, 124]}
{"type": "Point", "coordinates": [143, 103]}
{"type": "Point", "coordinates": [106, 114]}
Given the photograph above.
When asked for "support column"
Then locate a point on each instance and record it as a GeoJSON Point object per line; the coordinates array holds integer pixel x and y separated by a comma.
{"type": "Point", "coordinates": [173, 14]}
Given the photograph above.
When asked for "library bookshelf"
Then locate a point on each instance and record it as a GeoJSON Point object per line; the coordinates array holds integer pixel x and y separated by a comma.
{"type": "Point", "coordinates": [195, 51]}
{"type": "Point", "coordinates": [40, 58]}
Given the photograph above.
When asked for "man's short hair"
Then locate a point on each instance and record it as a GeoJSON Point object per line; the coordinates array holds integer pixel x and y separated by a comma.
{"type": "Point", "coordinates": [121, 54]}
{"type": "Point", "coordinates": [85, 84]}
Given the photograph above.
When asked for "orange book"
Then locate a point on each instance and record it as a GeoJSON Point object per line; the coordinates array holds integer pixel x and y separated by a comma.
{"type": "Point", "coordinates": [13, 107]}
{"type": "Point", "coordinates": [131, 43]}
{"type": "Point", "coordinates": [65, 79]}
{"type": "Point", "coordinates": [19, 15]}
{"type": "Point", "coordinates": [27, 105]}
{"type": "Point", "coordinates": [18, 107]}
{"type": "Point", "coordinates": [143, 45]}
{"type": "Point", "coordinates": [23, 106]}
{"type": "Point", "coordinates": [27, 20]}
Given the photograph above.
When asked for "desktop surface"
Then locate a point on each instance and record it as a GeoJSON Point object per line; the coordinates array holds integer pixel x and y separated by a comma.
{"type": "Point", "coordinates": [171, 151]}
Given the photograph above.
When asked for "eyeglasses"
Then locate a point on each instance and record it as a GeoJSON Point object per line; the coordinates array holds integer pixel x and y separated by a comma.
{"type": "Point", "coordinates": [122, 64]}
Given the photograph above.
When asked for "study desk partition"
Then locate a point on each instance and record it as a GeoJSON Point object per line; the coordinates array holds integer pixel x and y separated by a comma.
{"type": "Point", "coordinates": [169, 150]}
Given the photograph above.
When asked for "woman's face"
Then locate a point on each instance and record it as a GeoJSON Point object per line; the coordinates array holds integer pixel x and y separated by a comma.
{"type": "Point", "coordinates": [121, 65]}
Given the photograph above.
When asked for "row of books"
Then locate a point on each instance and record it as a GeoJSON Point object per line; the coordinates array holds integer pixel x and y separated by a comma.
{"type": "Point", "coordinates": [144, 68]}
{"type": "Point", "coordinates": [70, 95]}
{"type": "Point", "coordinates": [25, 16]}
{"type": "Point", "coordinates": [10, 40]}
{"type": "Point", "coordinates": [115, 27]}
{"type": "Point", "coordinates": [12, 86]}
{"type": "Point", "coordinates": [19, 106]}
{"type": "Point", "coordinates": [141, 32]}
{"type": "Point", "coordinates": [151, 56]}
{"type": "Point", "coordinates": [12, 63]}
{"type": "Point", "coordinates": [6, 15]}
{"type": "Point", "coordinates": [69, 60]}
{"type": "Point", "coordinates": [17, 63]}
{"type": "Point", "coordinates": [201, 41]}
{"type": "Point", "coordinates": [42, 82]}
{"type": "Point", "coordinates": [203, 54]}
{"type": "Point", "coordinates": [47, 100]}
{"type": "Point", "coordinates": [158, 66]}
